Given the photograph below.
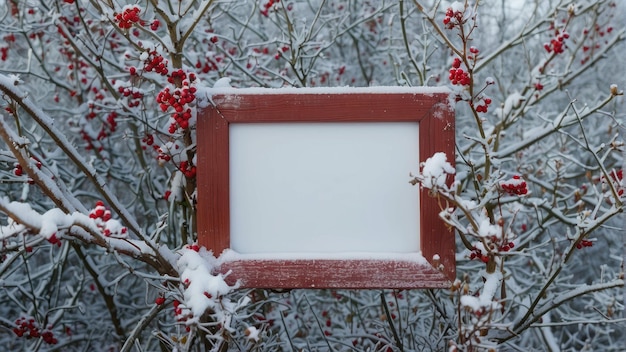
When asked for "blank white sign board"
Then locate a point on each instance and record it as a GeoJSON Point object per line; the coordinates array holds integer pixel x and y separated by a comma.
{"type": "Point", "coordinates": [324, 187]}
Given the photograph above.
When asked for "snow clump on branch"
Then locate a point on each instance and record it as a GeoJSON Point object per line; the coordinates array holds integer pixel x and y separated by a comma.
{"type": "Point", "coordinates": [434, 172]}
{"type": "Point", "coordinates": [204, 291]}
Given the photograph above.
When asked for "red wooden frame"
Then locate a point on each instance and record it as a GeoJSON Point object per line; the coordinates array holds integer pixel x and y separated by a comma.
{"type": "Point", "coordinates": [430, 108]}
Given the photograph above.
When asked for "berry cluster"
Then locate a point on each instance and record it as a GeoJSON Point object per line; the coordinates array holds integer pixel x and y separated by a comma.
{"type": "Point", "coordinates": [584, 243]}
{"type": "Point", "coordinates": [194, 247]}
{"type": "Point", "coordinates": [165, 152]}
{"type": "Point", "coordinates": [506, 247]}
{"type": "Point", "coordinates": [54, 240]}
{"type": "Point", "coordinates": [162, 157]}
{"type": "Point", "coordinates": [264, 50]}
{"type": "Point", "coordinates": [179, 99]}
{"type": "Point", "coordinates": [159, 300]}
{"type": "Point", "coordinates": [267, 6]}
{"type": "Point", "coordinates": [100, 212]}
{"type": "Point", "coordinates": [4, 51]}
{"type": "Point", "coordinates": [92, 111]}
{"type": "Point", "coordinates": [18, 171]}
{"type": "Point", "coordinates": [90, 141]}
{"type": "Point", "coordinates": [616, 175]}
{"type": "Point", "coordinates": [485, 106]}
{"type": "Point", "coordinates": [179, 76]}
{"type": "Point", "coordinates": [148, 141]}
{"type": "Point", "coordinates": [208, 66]}
{"type": "Point", "coordinates": [453, 18]}
{"type": "Point", "coordinates": [477, 254]}
{"type": "Point", "coordinates": [155, 63]}
{"type": "Point", "coordinates": [188, 169]}
{"type": "Point", "coordinates": [129, 15]}
{"type": "Point", "coordinates": [494, 243]}
{"type": "Point", "coordinates": [30, 329]}
{"type": "Point", "coordinates": [557, 45]}
{"type": "Point", "coordinates": [473, 55]}
{"type": "Point", "coordinates": [112, 123]}
{"type": "Point", "coordinates": [516, 185]}
{"type": "Point", "coordinates": [178, 312]}
{"type": "Point", "coordinates": [458, 76]}
{"type": "Point", "coordinates": [594, 41]}
{"type": "Point", "coordinates": [616, 180]}
{"type": "Point", "coordinates": [133, 94]}
{"type": "Point", "coordinates": [155, 25]}
{"type": "Point", "coordinates": [107, 226]}
{"type": "Point", "coordinates": [109, 122]}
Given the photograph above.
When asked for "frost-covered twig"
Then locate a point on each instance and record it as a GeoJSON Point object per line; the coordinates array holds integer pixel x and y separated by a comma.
{"type": "Point", "coordinates": [146, 319]}
{"type": "Point", "coordinates": [567, 255]}
{"type": "Point", "coordinates": [17, 145]}
{"type": "Point", "coordinates": [538, 133]}
{"type": "Point", "coordinates": [559, 300]}
{"type": "Point", "coordinates": [8, 86]}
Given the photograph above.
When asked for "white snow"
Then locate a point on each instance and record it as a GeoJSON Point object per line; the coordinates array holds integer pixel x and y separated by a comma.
{"type": "Point", "coordinates": [75, 224]}
{"type": "Point", "coordinates": [52, 220]}
{"type": "Point", "coordinates": [10, 83]}
{"type": "Point", "coordinates": [329, 90]}
{"type": "Point", "coordinates": [223, 82]}
{"type": "Point", "coordinates": [457, 6]}
{"type": "Point", "coordinates": [485, 299]}
{"type": "Point", "coordinates": [513, 101]}
{"type": "Point", "coordinates": [15, 79]}
{"type": "Point", "coordinates": [486, 229]}
{"type": "Point", "coordinates": [205, 94]}
{"type": "Point", "coordinates": [435, 170]}
{"type": "Point", "coordinates": [28, 216]}
{"type": "Point", "coordinates": [252, 333]}
{"type": "Point", "coordinates": [202, 287]}
{"type": "Point", "coordinates": [203, 291]}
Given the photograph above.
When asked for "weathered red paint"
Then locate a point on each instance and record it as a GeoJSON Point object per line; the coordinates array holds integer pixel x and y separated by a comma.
{"type": "Point", "coordinates": [436, 129]}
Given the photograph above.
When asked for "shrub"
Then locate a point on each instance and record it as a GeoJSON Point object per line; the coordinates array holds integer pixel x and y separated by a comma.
{"type": "Point", "coordinates": [100, 101]}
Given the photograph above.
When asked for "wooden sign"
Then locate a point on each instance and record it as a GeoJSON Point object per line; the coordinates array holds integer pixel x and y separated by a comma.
{"type": "Point", "coordinates": [309, 187]}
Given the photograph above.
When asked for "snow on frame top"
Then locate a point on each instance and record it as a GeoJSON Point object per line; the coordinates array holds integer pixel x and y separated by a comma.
{"type": "Point", "coordinates": [222, 87]}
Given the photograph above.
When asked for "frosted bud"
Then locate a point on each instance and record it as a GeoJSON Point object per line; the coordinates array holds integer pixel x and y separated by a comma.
{"type": "Point", "coordinates": [615, 91]}
{"type": "Point", "coordinates": [571, 10]}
